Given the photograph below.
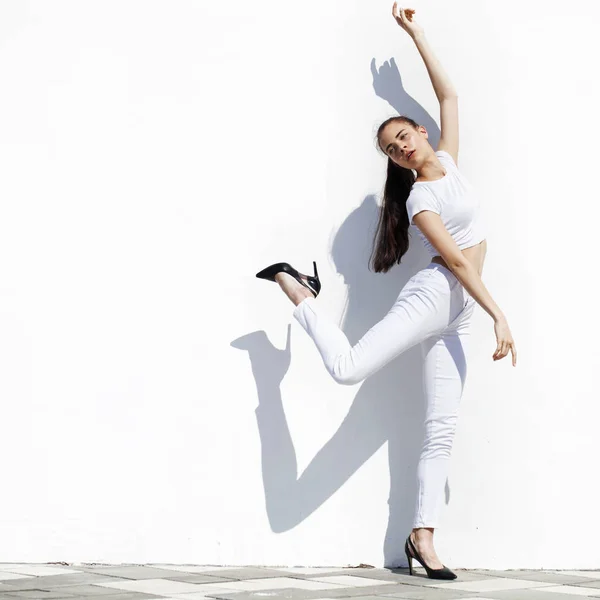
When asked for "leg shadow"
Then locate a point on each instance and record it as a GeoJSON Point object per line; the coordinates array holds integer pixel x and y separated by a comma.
{"type": "Point", "coordinates": [387, 406]}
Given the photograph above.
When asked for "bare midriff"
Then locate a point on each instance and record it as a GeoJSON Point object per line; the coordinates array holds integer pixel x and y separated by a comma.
{"type": "Point", "coordinates": [475, 255]}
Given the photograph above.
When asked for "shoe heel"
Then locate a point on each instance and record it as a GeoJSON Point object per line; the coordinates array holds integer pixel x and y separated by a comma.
{"type": "Point", "coordinates": [315, 281]}
{"type": "Point", "coordinates": [408, 558]}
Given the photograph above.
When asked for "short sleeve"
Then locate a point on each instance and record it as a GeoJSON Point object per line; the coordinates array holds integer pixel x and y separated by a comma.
{"type": "Point", "coordinates": [446, 159]}
{"type": "Point", "coordinates": [421, 199]}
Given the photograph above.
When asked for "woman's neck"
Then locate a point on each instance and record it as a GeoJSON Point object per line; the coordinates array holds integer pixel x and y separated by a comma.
{"type": "Point", "coordinates": [431, 170]}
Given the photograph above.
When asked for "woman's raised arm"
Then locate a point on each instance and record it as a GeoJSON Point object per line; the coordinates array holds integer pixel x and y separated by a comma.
{"type": "Point", "coordinates": [444, 90]}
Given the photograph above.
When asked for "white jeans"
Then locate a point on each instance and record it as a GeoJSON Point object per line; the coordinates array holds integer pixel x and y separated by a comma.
{"type": "Point", "coordinates": [433, 309]}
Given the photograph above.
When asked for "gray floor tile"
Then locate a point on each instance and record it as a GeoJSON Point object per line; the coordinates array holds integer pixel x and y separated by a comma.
{"type": "Point", "coordinates": [318, 570]}
{"type": "Point", "coordinates": [290, 594]}
{"type": "Point", "coordinates": [85, 591]}
{"type": "Point", "coordinates": [350, 581]}
{"type": "Point", "coordinates": [373, 597]}
{"type": "Point", "coordinates": [211, 570]}
{"type": "Point", "coordinates": [134, 572]}
{"type": "Point", "coordinates": [397, 576]}
{"type": "Point", "coordinates": [7, 587]}
{"type": "Point", "coordinates": [296, 594]}
{"type": "Point", "coordinates": [543, 576]}
{"type": "Point", "coordinates": [398, 597]}
{"type": "Point", "coordinates": [38, 595]}
{"type": "Point", "coordinates": [52, 582]}
{"type": "Point", "coordinates": [36, 570]}
{"type": "Point", "coordinates": [536, 594]}
{"type": "Point", "coordinates": [243, 573]}
{"type": "Point", "coordinates": [587, 574]}
{"type": "Point", "coordinates": [124, 596]}
{"type": "Point", "coordinates": [131, 596]}
{"type": "Point", "coordinates": [329, 571]}
{"type": "Point", "coordinates": [199, 578]}
{"type": "Point", "coordinates": [483, 586]}
{"type": "Point", "coordinates": [587, 583]}
{"type": "Point", "coordinates": [161, 587]}
{"type": "Point", "coordinates": [429, 593]}
{"type": "Point", "coordinates": [367, 597]}
{"type": "Point", "coordinates": [399, 590]}
{"type": "Point", "coordinates": [576, 590]}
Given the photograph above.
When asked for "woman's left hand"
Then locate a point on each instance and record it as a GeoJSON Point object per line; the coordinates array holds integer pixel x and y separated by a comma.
{"type": "Point", "coordinates": [404, 18]}
{"type": "Point", "coordinates": [505, 342]}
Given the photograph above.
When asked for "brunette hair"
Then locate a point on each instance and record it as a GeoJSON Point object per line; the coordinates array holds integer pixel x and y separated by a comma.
{"type": "Point", "coordinates": [391, 238]}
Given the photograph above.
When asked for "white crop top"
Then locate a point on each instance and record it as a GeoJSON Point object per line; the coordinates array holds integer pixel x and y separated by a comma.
{"type": "Point", "coordinates": [454, 199]}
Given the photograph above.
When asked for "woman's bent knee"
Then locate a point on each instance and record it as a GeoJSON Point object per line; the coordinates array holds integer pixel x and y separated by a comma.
{"type": "Point", "coordinates": [346, 379]}
{"type": "Point", "coordinates": [344, 375]}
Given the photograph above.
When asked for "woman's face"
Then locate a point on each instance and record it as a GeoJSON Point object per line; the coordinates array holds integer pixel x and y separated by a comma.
{"type": "Point", "coordinates": [406, 146]}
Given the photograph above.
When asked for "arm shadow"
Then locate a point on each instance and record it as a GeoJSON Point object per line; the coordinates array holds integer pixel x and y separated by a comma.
{"type": "Point", "coordinates": [387, 84]}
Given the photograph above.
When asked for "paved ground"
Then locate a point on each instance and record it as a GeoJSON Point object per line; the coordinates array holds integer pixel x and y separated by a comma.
{"type": "Point", "coordinates": [105, 582]}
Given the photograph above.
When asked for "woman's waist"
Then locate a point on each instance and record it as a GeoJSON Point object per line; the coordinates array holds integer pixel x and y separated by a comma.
{"type": "Point", "coordinates": [473, 254]}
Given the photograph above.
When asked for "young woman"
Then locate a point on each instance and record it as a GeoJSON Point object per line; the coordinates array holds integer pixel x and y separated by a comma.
{"type": "Point", "coordinates": [424, 188]}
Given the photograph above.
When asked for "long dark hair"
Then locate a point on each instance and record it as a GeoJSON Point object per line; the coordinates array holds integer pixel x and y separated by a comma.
{"type": "Point", "coordinates": [391, 238]}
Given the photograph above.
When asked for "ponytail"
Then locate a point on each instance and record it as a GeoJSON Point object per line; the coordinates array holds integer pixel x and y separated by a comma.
{"type": "Point", "coordinates": [391, 238]}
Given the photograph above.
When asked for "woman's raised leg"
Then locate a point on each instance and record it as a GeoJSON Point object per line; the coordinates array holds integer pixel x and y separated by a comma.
{"type": "Point", "coordinates": [420, 311]}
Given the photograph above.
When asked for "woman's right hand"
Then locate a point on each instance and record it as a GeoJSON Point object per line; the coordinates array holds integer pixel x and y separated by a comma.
{"type": "Point", "coordinates": [404, 18]}
{"type": "Point", "coordinates": [505, 341]}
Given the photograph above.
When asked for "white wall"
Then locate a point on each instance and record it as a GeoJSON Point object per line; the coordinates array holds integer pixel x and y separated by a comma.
{"type": "Point", "coordinates": [155, 155]}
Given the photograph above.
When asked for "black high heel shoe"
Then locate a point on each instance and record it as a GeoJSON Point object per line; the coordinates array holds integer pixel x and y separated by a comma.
{"type": "Point", "coordinates": [411, 552]}
{"type": "Point", "coordinates": [312, 283]}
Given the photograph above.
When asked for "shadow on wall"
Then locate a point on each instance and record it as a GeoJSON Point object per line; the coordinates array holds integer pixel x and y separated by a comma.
{"type": "Point", "coordinates": [388, 407]}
